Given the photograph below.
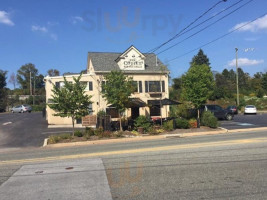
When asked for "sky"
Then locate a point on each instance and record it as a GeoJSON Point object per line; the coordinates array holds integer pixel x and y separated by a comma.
{"type": "Point", "coordinates": [59, 33]}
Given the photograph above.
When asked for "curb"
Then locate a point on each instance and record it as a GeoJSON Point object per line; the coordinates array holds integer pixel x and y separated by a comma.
{"type": "Point", "coordinates": [45, 142]}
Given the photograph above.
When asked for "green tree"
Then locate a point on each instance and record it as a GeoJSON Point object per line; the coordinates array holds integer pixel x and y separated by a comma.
{"type": "Point", "coordinates": [23, 76]}
{"type": "Point", "coordinates": [198, 85]}
{"type": "Point", "coordinates": [53, 72]}
{"type": "Point", "coordinates": [3, 91]}
{"type": "Point", "coordinates": [117, 91]}
{"type": "Point", "coordinates": [70, 100]}
{"type": "Point", "coordinates": [175, 90]}
{"type": "Point", "coordinates": [200, 59]}
{"type": "Point", "coordinates": [264, 82]}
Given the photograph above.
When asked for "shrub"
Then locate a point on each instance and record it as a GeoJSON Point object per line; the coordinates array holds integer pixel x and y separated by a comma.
{"type": "Point", "coordinates": [105, 134]}
{"type": "Point", "coordinates": [65, 136]}
{"type": "Point", "coordinates": [208, 119]}
{"type": "Point", "coordinates": [98, 131]}
{"type": "Point", "coordinates": [181, 123]}
{"type": "Point", "coordinates": [78, 133]}
{"type": "Point", "coordinates": [53, 139]}
{"type": "Point", "coordinates": [168, 125]}
{"type": "Point", "coordinates": [101, 113]}
{"type": "Point", "coordinates": [89, 131]}
{"type": "Point", "coordinates": [193, 123]}
{"type": "Point", "coordinates": [118, 134]}
{"type": "Point", "coordinates": [142, 121]}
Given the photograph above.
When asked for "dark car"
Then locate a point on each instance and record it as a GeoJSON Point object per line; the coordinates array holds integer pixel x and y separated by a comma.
{"type": "Point", "coordinates": [219, 112]}
{"type": "Point", "coordinates": [233, 109]}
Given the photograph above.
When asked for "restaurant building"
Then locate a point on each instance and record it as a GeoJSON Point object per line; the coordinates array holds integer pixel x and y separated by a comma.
{"type": "Point", "coordinates": [149, 74]}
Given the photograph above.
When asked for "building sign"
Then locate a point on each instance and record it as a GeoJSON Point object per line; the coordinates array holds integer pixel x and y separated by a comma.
{"type": "Point", "coordinates": [89, 120]}
{"type": "Point", "coordinates": [133, 63]}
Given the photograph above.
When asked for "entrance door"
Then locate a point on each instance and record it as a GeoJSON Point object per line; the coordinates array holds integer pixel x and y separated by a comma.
{"type": "Point", "coordinates": [135, 112]}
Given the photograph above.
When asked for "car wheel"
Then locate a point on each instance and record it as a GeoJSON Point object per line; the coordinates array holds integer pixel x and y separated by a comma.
{"type": "Point", "coordinates": [229, 117]}
{"type": "Point", "coordinates": [29, 111]}
{"type": "Point", "coordinates": [22, 111]}
{"type": "Point", "coordinates": [12, 111]}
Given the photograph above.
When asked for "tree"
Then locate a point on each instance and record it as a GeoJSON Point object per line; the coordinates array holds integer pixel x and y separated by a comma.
{"type": "Point", "coordinates": [13, 80]}
{"type": "Point", "coordinates": [70, 100]}
{"type": "Point", "coordinates": [117, 90]}
{"type": "Point", "coordinates": [200, 59]}
{"type": "Point", "coordinates": [264, 82]}
{"type": "Point", "coordinates": [23, 76]}
{"type": "Point", "coordinates": [198, 85]}
{"type": "Point", "coordinates": [3, 91]}
{"type": "Point", "coordinates": [53, 72]}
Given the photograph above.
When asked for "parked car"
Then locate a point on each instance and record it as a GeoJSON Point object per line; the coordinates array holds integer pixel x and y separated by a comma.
{"type": "Point", "coordinates": [21, 109]}
{"type": "Point", "coordinates": [233, 109]}
{"type": "Point", "coordinates": [250, 109]}
{"type": "Point", "coordinates": [218, 111]}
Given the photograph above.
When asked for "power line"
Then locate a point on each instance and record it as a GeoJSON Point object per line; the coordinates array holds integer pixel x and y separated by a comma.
{"type": "Point", "coordinates": [212, 41]}
{"type": "Point", "coordinates": [155, 49]}
{"type": "Point", "coordinates": [207, 25]}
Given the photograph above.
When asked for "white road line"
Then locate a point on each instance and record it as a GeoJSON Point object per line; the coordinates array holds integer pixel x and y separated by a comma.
{"type": "Point", "coordinates": [7, 123]}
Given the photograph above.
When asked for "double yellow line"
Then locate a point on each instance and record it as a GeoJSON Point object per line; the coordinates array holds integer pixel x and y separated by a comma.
{"type": "Point", "coordinates": [134, 151]}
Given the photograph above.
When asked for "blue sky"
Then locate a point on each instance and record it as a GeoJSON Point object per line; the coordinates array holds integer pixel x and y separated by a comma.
{"type": "Point", "coordinates": [58, 34]}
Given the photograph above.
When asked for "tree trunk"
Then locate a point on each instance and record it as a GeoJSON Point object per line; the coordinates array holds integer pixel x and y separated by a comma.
{"type": "Point", "coordinates": [120, 122]}
{"type": "Point", "coordinates": [72, 126]}
{"type": "Point", "coordinates": [198, 119]}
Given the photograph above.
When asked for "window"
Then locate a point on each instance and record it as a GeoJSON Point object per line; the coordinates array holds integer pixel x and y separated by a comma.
{"type": "Point", "coordinates": [155, 110]}
{"type": "Point", "coordinates": [140, 87]}
{"type": "Point", "coordinates": [135, 86]}
{"type": "Point", "coordinates": [85, 84]}
{"type": "Point", "coordinates": [155, 86]}
{"type": "Point", "coordinates": [113, 112]}
{"type": "Point", "coordinates": [90, 86]}
{"type": "Point", "coordinates": [59, 84]}
{"type": "Point", "coordinates": [90, 109]}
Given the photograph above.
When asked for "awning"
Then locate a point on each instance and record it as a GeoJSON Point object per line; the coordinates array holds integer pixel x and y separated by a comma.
{"type": "Point", "coordinates": [162, 102]}
{"type": "Point", "coordinates": [134, 102]}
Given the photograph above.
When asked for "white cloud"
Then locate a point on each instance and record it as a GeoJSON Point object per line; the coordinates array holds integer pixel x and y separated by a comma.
{"type": "Point", "coordinates": [258, 25]}
{"type": "Point", "coordinates": [39, 28]}
{"type": "Point", "coordinates": [76, 19]}
{"type": "Point", "coordinates": [53, 36]}
{"type": "Point", "coordinates": [244, 62]}
{"type": "Point", "coordinates": [5, 19]}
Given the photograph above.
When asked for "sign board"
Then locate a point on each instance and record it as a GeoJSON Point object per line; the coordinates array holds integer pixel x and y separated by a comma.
{"type": "Point", "coordinates": [89, 120]}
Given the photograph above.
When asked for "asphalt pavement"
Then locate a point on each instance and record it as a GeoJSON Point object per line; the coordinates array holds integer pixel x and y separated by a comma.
{"type": "Point", "coordinates": [242, 121]}
{"type": "Point", "coordinates": [226, 166]}
{"type": "Point", "coordinates": [20, 130]}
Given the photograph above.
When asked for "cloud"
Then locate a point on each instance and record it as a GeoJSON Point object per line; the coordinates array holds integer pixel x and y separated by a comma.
{"type": "Point", "coordinates": [252, 39]}
{"type": "Point", "coordinates": [245, 62]}
{"type": "Point", "coordinates": [45, 31]}
{"type": "Point", "coordinates": [39, 28]}
{"type": "Point", "coordinates": [76, 19]}
{"type": "Point", "coordinates": [5, 19]}
{"type": "Point", "coordinates": [258, 25]}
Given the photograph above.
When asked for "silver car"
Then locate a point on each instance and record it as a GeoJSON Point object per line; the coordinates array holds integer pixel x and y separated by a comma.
{"type": "Point", "coordinates": [21, 109]}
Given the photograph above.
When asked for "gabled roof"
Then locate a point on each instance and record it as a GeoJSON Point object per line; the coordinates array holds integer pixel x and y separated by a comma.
{"type": "Point", "coordinates": [104, 62]}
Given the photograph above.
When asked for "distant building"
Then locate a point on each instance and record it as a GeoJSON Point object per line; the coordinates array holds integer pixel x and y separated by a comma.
{"type": "Point", "coordinates": [149, 75]}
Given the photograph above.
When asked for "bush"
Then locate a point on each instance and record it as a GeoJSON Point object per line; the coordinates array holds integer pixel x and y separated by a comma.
{"type": "Point", "coordinates": [53, 139]}
{"type": "Point", "coordinates": [168, 125]}
{"type": "Point", "coordinates": [193, 123]}
{"type": "Point", "coordinates": [208, 119]}
{"type": "Point", "coordinates": [78, 133]}
{"type": "Point", "coordinates": [101, 113]}
{"type": "Point", "coordinates": [65, 136]}
{"type": "Point", "coordinates": [181, 123]}
{"type": "Point", "coordinates": [105, 134]}
{"type": "Point", "coordinates": [37, 108]}
{"type": "Point", "coordinates": [99, 131]}
{"type": "Point", "coordinates": [89, 132]}
{"type": "Point", "coordinates": [142, 121]}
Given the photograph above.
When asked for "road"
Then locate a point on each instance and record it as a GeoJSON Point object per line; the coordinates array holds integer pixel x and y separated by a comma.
{"type": "Point", "coordinates": [227, 166]}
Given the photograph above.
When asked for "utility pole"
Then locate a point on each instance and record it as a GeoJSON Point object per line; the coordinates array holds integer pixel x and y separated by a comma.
{"type": "Point", "coordinates": [237, 90]}
{"type": "Point", "coordinates": [31, 83]}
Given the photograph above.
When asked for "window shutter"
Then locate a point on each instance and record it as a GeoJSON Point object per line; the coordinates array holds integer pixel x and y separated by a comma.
{"type": "Point", "coordinates": [140, 87]}
{"type": "Point", "coordinates": [90, 86]}
{"type": "Point", "coordinates": [146, 86]}
{"type": "Point", "coordinates": [163, 86]}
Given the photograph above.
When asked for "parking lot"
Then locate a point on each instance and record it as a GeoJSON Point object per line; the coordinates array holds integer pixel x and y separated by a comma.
{"type": "Point", "coordinates": [242, 121]}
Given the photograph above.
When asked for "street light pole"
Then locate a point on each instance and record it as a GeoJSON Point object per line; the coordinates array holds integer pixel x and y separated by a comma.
{"type": "Point", "coordinates": [237, 89]}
